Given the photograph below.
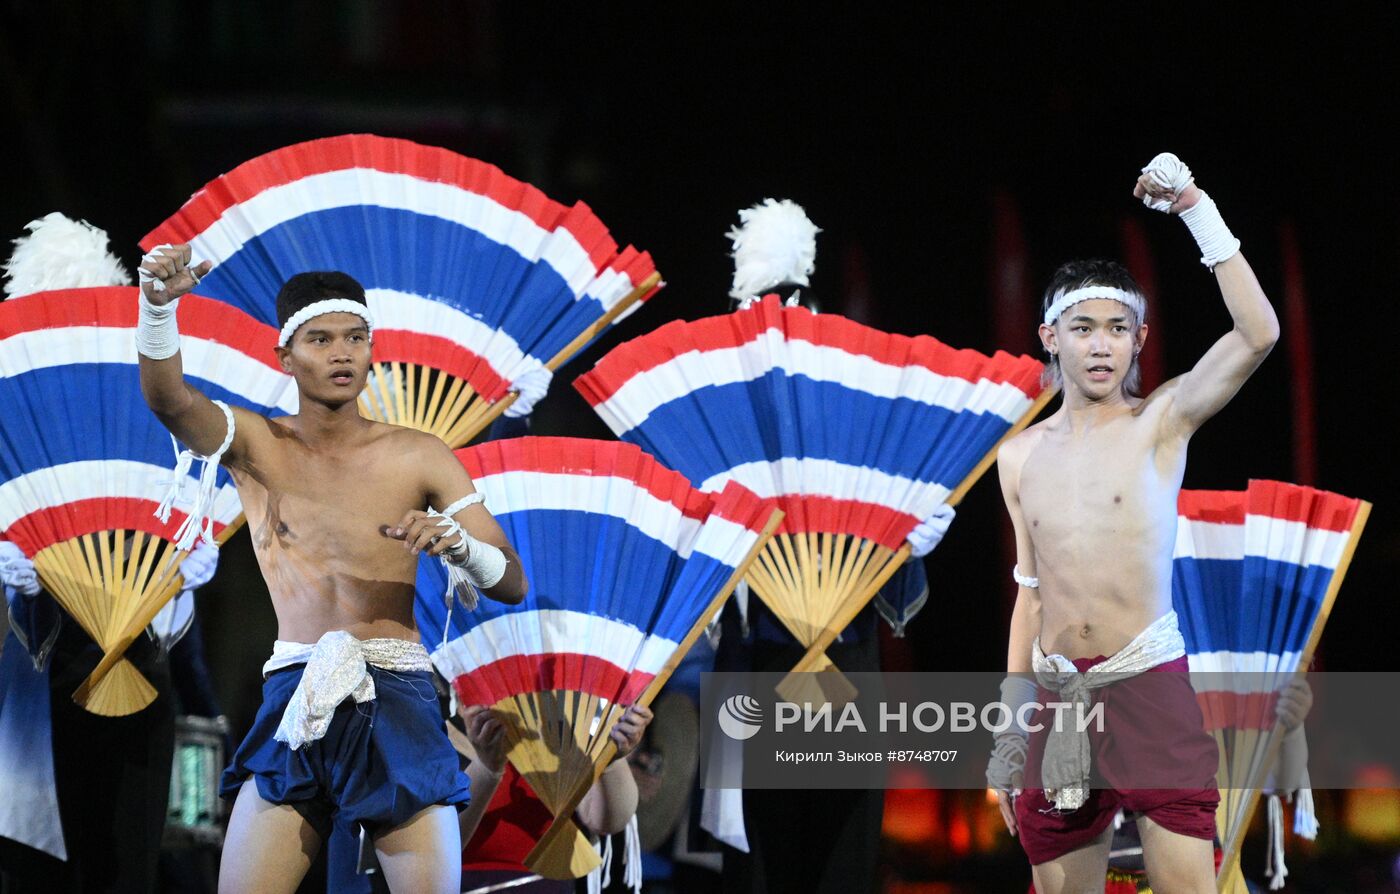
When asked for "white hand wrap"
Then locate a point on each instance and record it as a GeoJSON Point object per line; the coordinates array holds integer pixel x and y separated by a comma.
{"type": "Point", "coordinates": [157, 336]}
{"type": "Point", "coordinates": [1024, 580]}
{"type": "Point", "coordinates": [468, 561]}
{"type": "Point", "coordinates": [157, 285]}
{"type": "Point", "coordinates": [1168, 172]}
{"type": "Point", "coordinates": [1215, 240]}
{"type": "Point", "coordinates": [1203, 219]}
{"type": "Point", "coordinates": [1010, 746]}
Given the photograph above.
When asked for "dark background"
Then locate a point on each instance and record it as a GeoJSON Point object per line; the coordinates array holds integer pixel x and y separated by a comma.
{"type": "Point", "coordinates": [896, 126]}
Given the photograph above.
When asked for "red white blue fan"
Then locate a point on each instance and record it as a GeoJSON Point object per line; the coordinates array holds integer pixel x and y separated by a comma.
{"type": "Point", "coordinates": [1254, 577]}
{"type": "Point", "coordinates": [84, 463]}
{"type": "Point", "coordinates": [860, 435]}
{"type": "Point", "coordinates": [479, 284]}
{"type": "Point", "coordinates": [626, 562]}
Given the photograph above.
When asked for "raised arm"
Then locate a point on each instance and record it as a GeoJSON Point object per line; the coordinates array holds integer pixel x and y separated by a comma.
{"type": "Point", "coordinates": [191, 417]}
{"type": "Point", "coordinates": [1166, 185]}
{"type": "Point", "coordinates": [481, 546]}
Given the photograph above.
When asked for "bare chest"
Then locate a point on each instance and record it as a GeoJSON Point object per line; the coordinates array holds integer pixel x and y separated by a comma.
{"type": "Point", "coordinates": [309, 502]}
{"type": "Point", "coordinates": [1107, 485]}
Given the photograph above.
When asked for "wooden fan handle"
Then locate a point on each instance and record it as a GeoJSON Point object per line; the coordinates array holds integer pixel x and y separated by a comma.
{"type": "Point", "coordinates": [1230, 856]}
{"type": "Point", "coordinates": [990, 456]}
{"type": "Point", "coordinates": [550, 842]}
{"type": "Point", "coordinates": [815, 657]}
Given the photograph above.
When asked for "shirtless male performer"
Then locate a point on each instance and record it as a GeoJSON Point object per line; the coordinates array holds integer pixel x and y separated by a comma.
{"type": "Point", "coordinates": [337, 507]}
{"type": "Point", "coordinates": [1092, 494]}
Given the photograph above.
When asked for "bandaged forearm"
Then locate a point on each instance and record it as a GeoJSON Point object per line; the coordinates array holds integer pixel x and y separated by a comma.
{"type": "Point", "coordinates": [483, 563]}
{"type": "Point", "coordinates": [1009, 747]}
{"type": "Point", "coordinates": [1215, 240]}
{"type": "Point", "coordinates": [156, 334]}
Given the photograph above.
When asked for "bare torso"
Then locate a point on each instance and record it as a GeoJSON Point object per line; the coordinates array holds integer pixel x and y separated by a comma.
{"type": "Point", "coordinates": [317, 516]}
{"type": "Point", "coordinates": [1098, 498]}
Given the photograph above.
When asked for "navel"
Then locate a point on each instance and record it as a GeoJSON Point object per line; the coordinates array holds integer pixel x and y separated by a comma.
{"type": "Point", "coordinates": [1084, 632]}
{"type": "Point", "coordinates": [1035, 523]}
{"type": "Point", "coordinates": [1117, 498]}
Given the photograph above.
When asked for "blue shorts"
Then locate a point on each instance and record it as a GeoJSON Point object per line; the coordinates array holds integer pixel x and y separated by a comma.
{"type": "Point", "coordinates": [379, 763]}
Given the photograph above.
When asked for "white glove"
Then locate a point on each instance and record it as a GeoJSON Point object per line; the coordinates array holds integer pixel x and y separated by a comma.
{"type": "Point", "coordinates": [929, 533]}
{"type": "Point", "coordinates": [530, 388]}
{"type": "Point", "coordinates": [17, 570]}
{"type": "Point", "coordinates": [199, 566]}
{"type": "Point", "coordinates": [1168, 172]}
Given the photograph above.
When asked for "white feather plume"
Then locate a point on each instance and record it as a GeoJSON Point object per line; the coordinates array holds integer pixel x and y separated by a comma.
{"type": "Point", "coordinates": [775, 243]}
{"type": "Point", "coordinates": [60, 253]}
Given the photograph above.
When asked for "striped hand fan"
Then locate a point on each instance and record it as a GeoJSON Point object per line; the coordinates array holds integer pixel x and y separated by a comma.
{"type": "Point", "coordinates": [858, 434]}
{"type": "Point", "coordinates": [626, 563]}
{"type": "Point", "coordinates": [1254, 577]}
{"type": "Point", "coordinates": [479, 284]}
{"type": "Point", "coordinates": [84, 463]}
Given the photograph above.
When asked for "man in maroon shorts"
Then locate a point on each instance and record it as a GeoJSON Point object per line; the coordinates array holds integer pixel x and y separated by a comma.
{"type": "Point", "coordinates": [1092, 495]}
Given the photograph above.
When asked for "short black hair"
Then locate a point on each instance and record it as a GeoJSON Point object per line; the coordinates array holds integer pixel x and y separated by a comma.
{"type": "Point", "coordinates": [317, 285]}
{"type": "Point", "coordinates": [1092, 272]}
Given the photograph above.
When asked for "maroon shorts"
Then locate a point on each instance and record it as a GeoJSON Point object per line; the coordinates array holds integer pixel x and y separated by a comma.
{"type": "Point", "coordinates": [1153, 757]}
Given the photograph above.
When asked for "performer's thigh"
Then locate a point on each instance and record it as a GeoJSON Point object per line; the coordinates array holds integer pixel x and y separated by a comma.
{"type": "Point", "coordinates": [268, 847]}
{"type": "Point", "coordinates": [1176, 863]}
{"type": "Point", "coordinates": [424, 854]}
{"type": "Point", "coordinates": [1080, 871]}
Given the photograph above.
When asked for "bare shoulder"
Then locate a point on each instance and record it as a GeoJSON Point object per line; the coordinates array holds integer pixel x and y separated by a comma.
{"type": "Point", "coordinates": [1011, 459]}
{"type": "Point", "coordinates": [408, 441]}
{"type": "Point", "coordinates": [1155, 409]}
{"type": "Point", "coordinates": [1011, 456]}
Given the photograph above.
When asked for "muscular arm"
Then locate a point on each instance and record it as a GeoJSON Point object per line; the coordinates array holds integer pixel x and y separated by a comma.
{"type": "Point", "coordinates": [1166, 185]}
{"type": "Point", "coordinates": [1223, 370]}
{"type": "Point", "coordinates": [1025, 617]}
{"type": "Point", "coordinates": [189, 415]}
{"type": "Point", "coordinates": [447, 482]}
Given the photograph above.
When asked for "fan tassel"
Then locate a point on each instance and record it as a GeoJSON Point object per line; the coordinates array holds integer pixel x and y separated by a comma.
{"type": "Point", "coordinates": [600, 878]}
{"type": "Point", "coordinates": [1275, 868]}
{"type": "Point", "coordinates": [197, 524]}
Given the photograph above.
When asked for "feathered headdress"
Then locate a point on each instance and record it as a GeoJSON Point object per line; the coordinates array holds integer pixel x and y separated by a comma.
{"type": "Point", "coordinates": [60, 253]}
{"type": "Point", "coordinates": [775, 244]}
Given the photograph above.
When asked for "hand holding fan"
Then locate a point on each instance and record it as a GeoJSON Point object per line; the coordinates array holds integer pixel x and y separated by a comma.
{"type": "Point", "coordinates": [84, 463]}
{"type": "Point", "coordinates": [626, 563]}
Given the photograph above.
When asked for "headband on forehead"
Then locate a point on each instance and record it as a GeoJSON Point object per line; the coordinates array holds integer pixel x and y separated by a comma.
{"type": "Point", "coordinates": [318, 308]}
{"type": "Point", "coordinates": [1066, 300]}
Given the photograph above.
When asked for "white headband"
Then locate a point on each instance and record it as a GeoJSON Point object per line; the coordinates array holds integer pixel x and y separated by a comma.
{"type": "Point", "coordinates": [1088, 293]}
{"type": "Point", "coordinates": [316, 309]}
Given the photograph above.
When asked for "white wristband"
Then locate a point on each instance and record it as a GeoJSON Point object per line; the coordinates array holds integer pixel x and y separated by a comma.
{"type": "Point", "coordinates": [157, 336]}
{"type": "Point", "coordinates": [1216, 242]}
{"type": "Point", "coordinates": [484, 564]}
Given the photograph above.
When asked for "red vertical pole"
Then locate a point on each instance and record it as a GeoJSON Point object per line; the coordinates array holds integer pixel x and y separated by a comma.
{"type": "Point", "coordinates": [1137, 257]}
